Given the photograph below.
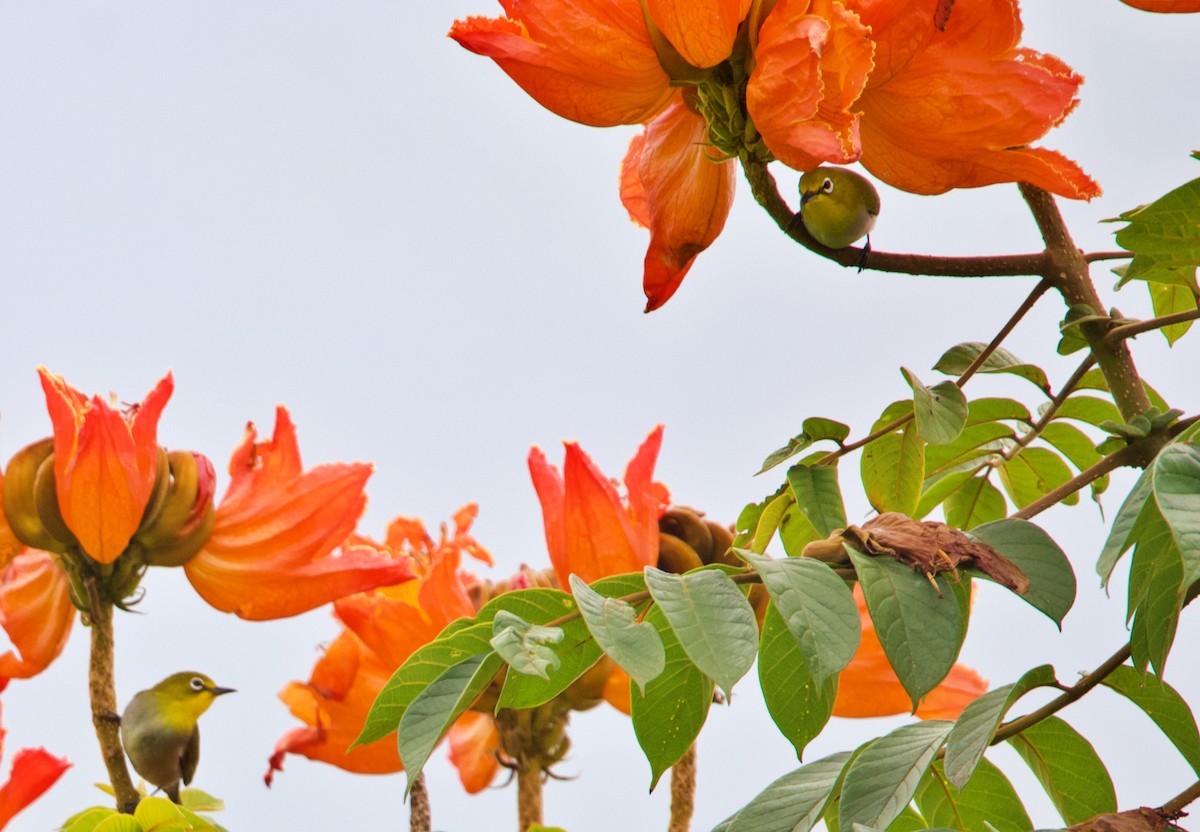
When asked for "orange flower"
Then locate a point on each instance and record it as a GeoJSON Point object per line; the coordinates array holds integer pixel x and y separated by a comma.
{"type": "Point", "coordinates": [702, 31]}
{"type": "Point", "coordinates": [958, 108]}
{"type": "Point", "coordinates": [811, 65]}
{"type": "Point", "coordinates": [590, 61]}
{"type": "Point", "coordinates": [34, 770]}
{"type": "Point", "coordinates": [590, 531]}
{"type": "Point", "coordinates": [869, 687]}
{"type": "Point", "coordinates": [104, 462]}
{"type": "Point", "coordinates": [671, 184]}
{"type": "Point", "coordinates": [1165, 6]}
{"type": "Point", "coordinates": [383, 628]}
{"type": "Point", "coordinates": [35, 611]}
{"type": "Point", "coordinates": [271, 553]}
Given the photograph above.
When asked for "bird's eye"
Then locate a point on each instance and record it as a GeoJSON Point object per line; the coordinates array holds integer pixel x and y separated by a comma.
{"type": "Point", "coordinates": [197, 684]}
{"type": "Point", "coordinates": [827, 185]}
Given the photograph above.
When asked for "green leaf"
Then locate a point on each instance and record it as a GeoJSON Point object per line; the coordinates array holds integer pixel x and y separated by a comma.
{"type": "Point", "coordinates": [633, 645]}
{"type": "Point", "coordinates": [793, 803]}
{"type": "Point", "coordinates": [958, 358]}
{"type": "Point", "coordinates": [818, 496]}
{"type": "Point", "coordinates": [976, 725]}
{"type": "Point", "coordinates": [974, 445]}
{"type": "Point", "coordinates": [87, 820]}
{"type": "Point", "coordinates": [1033, 473]}
{"type": "Point", "coordinates": [1169, 299]}
{"type": "Point", "coordinates": [1164, 705]}
{"type": "Point", "coordinates": [816, 605]}
{"type": "Point", "coordinates": [938, 490]}
{"type": "Point", "coordinates": [1176, 476]}
{"type": "Point", "coordinates": [1121, 536]}
{"type": "Point", "coordinates": [893, 470]}
{"type": "Point", "coordinates": [1164, 236]}
{"type": "Point", "coordinates": [1089, 409]}
{"type": "Point", "coordinates": [198, 800]}
{"type": "Point", "coordinates": [882, 780]}
{"type": "Point", "coordinates": [118, 823]}
{"type": "Point", "coordinates": [989, 409]}
{"type": "Point", "coordinates": [671, 712]}
{"type": "Point", "coordinates": [1073, 338]}
{"type": "Point", "coordinates": [1155, 598]}
{"type": "Point", "coordinates": [920, 632]}
{"type": "Point", "coordinates": [411, 678]}
{"type": "Point", "coordinates": [1072, 443]}
{"type": "Point", "coordinates": [798, 705]}
{"type": "Point", "coordinates": [523, 645]}
{"type": "Point", "coordinates": [770, 518]}
{"type": "Point", "coordinates": [435, 708]}
{"type": "Point", "coordinates": [712, 619]}
{"type": "Point", "coordinates": [158, 814]}
{"type": "Point", "coordinates": [941, 410]}
{"type": "Point", "coordinates": [989, 801]}
{"type": "Point", "coordinates": [1051, 579]}
{"type": "Point", "coordinates": [795, 531]}
{"type": "Point", "coordinates": [811, 430]}
{"type": "Point", "coordinates": [976, 502]}
{"type": "Point", "coordinates": [1066, 765]}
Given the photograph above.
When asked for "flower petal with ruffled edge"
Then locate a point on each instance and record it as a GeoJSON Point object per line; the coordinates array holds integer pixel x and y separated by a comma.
{"type": "Point", "coordinates": [271, 553]}
{"type": "Point", "coordinates": [672, 184]}
{"type": "Point", "coordinates": [810, 67]}
{"type": "Point", "coordinates": [35, 612]}
{"type": "Point", "coordinates": [589, 61]}
{"type": "Point", "coordinates": [960, 110]}
{"type": "Point", "coordinates": [104, 462]}
{"type": "Point", "coordinates": [702, 31]}
{"type": "Point", "coordinates": [1165, 6]}
{"type": "Point", "coordinates": [868, 686]}
{"type": "Point", "coordinates": [590, 531]}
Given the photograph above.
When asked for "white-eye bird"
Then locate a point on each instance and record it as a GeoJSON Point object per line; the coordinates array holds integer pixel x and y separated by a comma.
{"type": "Point", "coordinates": [837, 206]}
{"type": "Point", "coordinates": [159, 729]}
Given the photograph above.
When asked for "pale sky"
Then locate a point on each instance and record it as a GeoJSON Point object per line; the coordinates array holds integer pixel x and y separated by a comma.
{"type": "Point", "coordinates": [332, 206]}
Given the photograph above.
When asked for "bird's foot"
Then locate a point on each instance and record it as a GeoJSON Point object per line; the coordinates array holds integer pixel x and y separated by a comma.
{"type": "Point", "coordinates": [865, 255]}
{"type": "Point", "coordinates": [108, 716]}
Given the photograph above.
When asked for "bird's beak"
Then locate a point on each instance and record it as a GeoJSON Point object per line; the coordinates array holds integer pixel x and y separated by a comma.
{"type": "Point", "coordinates": [806, 197]}
{"type": "Point", "coordinates": [220, 691]}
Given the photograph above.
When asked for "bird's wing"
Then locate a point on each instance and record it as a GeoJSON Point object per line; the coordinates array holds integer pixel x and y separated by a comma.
{"type": "Point", "coordinates": [191, 756]}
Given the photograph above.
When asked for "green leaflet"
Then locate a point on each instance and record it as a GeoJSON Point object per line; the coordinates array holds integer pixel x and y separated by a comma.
{"type": "Point", "coordinates": [988, 799]}
{"type": "Point", "coordinates": [893, 470]}
{"type": "Point", "coordinates": [941, 410]}
{"type": "Point", "coordinates": [1164, 236]}
{"type": "Point", "coordinates": [882, 780]}
{"type": "Point", "coordinates": [1051, 579]}
{"type": "Point", "coordinates": [1066, 765]}
{"type": "Point", "coordinates": [812, 430]}
{"type": "Point", "coordinates": [799, 706]}
{"type": "Point", "coordinates": [793, 803]}
{"type": "Point", "coordinates": [633, 645]}
{"type": "Point", "coordinates": [1162, 704]}
{"type": "Point", "coordinates": [524, 646]}
{"type": "Point", "coordinates": [818, 496]}
{"type": "Point", "coordinates": [954, 362]}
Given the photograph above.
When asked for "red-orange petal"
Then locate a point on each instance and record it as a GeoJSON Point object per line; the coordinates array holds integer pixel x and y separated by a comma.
{"type": "Point", "coordinates": [702, 31]}
{"type": "Point", "coordinates": [586, 60]}
{"type": "Point", "coordinates": [34, 770]}
{"type": "Point", "coordinates": [672, 184]}
{"type": "Point", "coordinates": [1165, 6]}
{"type": "Point", "coordinates": [104, 462]}
{"type": "Point", "coordinates": [35, 611]}
{"type": "Point", "coordinates": [474, 747]}
{"type": "Point", "coordinates": [271, 553]}
{"type": "Point", "coordinates": [617, 691]}
{"type": "Point", "coordinates": [962, 108]}
{"type": "Point", "coordinates": [812, 63]}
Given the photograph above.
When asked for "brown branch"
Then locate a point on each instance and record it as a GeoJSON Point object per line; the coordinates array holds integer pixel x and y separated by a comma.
{"type": "Point", "coordinates": [529, 794]}
{"type": "Point", "coordinates": [419, 817]}
{"type": "Point", "coordinates": [1124, 331]}
{"type": "Point", "coordinates": [1130, 455]}
{"type": "Point", "coordinates": [1174, 807]}
{"type": "Point", "coordinates": [1071, 694]}
{"type": "Point", "coordinates": [103, 696]}
{"type": "Point", "coordinates": [1057, 402]}
{"type": "Point", "coordinates": [683, 791]}
{"type": "Point", "coordinates": [1068, 268]}
{"type": "Point", "coordinates": [1096, 256]}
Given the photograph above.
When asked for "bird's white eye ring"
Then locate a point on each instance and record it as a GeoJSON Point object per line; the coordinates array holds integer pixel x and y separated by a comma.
{"type": "Point", "coordinates": [827, 185]}
{"type": "Point", "coordinates": [197, 684]}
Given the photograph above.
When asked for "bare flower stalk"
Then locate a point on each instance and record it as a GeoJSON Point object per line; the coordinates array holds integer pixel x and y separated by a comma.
{"type": "Point", "coordinates": [103, 695]}
{"type": "Point", "coordinates": [419, 817]}
{"type": "Point", "coordinates": [683, 791]}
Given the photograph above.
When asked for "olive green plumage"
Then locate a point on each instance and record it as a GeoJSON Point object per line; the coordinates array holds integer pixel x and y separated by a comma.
{"type": "Point", "coordinates": [837, 206]}
{"type": "Point", "coordinates": [159, 729]}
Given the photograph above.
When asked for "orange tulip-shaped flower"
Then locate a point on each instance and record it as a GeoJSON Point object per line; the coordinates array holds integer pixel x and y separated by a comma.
{"type": "Point", "coordinates": [383, 628]}
{"type": "Point", "coordinates": [590, 530]}
{"type": "Point", "coordinates": [672, 184]}
{"type": "Point", "coordinates": [34, 770]}
{"type": "Point", "coordinates": [959, 108]}
{"type": "Point", "coordinates": [811, 64]}
{"type": "Point", "coordinates": [271, 552]}
{"type": "Point", "coordinates": [104, 462]}
{"type": "Point", "coordinates": [35, 612]}
{"type": "Point", "coordinates": [868, 685]}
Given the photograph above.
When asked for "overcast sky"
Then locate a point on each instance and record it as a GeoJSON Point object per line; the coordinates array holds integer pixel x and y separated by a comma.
{"type": "Point", "coordinates": [332, 206]}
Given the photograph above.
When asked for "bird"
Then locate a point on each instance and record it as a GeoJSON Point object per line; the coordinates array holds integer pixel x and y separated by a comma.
{"type": "Point", "coordinates": [159, 729]}
{"type": "Point", "coordinates": [838, 206]}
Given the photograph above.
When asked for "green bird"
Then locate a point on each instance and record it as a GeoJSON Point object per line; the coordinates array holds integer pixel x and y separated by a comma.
{"type": "Point", "coordinates": [159, 729]}
{"type": "Point", "coordinates": [838, 206]}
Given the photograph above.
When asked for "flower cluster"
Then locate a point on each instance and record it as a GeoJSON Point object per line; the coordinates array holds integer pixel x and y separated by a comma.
{"type": "Point", "coordinates": [928, 95]}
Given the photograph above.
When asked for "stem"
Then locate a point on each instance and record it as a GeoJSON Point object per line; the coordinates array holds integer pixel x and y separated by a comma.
{"type": "Point", "coordinates": [1174, 807]}
{"type": "Point", "coordinates": [1055, 403]}
{"type": "Point", "coordinates": [529, 794]}
{"type": "Point", "coordinates": [1129, 330]}
{"type": "Point", "coordinates": [1130, 455]}
{"type": "Point", "coordinates": [1071, 694]}
{"type": "Point", "coordinates": [419, 817]}
{"type": "Point", "coordinates": [1068, 268]}
{"type": "Point", "coordinates": [103, 696]}
{"type": "Point", "coordinates": [683, 791]}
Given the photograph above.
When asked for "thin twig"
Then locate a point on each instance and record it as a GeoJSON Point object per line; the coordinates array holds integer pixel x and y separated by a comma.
{"type": "Point", "coordinates": [1055, 404]}
{"type": "Point", "coordinates": [1107, 255]}
{"type": "Point", "coordinates": [1129, 455]}
{"type": "Point", "coordinates": [1124, 331]}
{"type": "Point", "coordinates": [1174, 807]}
